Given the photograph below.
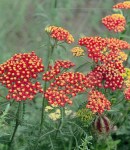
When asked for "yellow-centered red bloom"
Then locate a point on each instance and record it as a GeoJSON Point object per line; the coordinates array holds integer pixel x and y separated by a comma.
{"type": "Point", "coordinates": [107, 75]}
{"type": "Point", "coordinates": [103, 49]}
{"type": "Point", "coordinates": [17, 73]}
{"type": "Point", "coordinates": [66, 86]}
{"type": "Point", "coordinates": [123, 5]}
{"type": "Point", "coordinates": [56, 69]}
{"type": "Point", "coordinates": [60, 34]}
{"type": "Point", "coordinates": [97, 102]}
{"type": "Point", "coordinates": [127, 93]}
{"type": "Point", "coordinates": [115, 22]}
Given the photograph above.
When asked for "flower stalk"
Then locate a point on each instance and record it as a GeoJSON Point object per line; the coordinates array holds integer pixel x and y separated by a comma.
{"type": "Point", "coordinates": [50, 53]}
{"type": "Point", "coordinates": [17, 122]}
{"type": "Point", "coordinates": [45, 85]}
{"type": "Point", "coordinates": [62, 114]}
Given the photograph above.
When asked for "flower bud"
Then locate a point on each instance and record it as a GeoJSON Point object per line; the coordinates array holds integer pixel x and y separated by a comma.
{"type": "Point", "coordinates": [102, 124]}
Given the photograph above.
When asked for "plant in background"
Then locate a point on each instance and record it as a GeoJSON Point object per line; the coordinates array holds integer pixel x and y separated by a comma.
{"type": "Point", "coordinates": [104, 89]}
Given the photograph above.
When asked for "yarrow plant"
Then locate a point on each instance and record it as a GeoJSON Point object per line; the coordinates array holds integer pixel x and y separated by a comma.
{"type": "Point", "coordinates": [71, 98]}
{"type": "Point", "coordinates": [16, 75]}
{"type": "Point", "coordinates": [115, 22]}
{"type": "Point", "coordinates": [123, 5]}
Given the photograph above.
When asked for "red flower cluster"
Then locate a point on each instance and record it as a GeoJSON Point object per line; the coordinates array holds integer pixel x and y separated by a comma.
{"type": "Point", "coordinates": [123, 5]}
{"type": "Point", "coordinates": [97, 102]}
{"type": "Point", "coordinates": [103, 49]}
{"type": "Point", "coordinates": [116, 43]}
{"type": "Point", "coordinates": [54, 71]}
{"type": "Point", "coordinates": [110, 75]}
{"type": "Point", "coordinates": [127, 93]}
{"type": "Point", "coordinates": [16, 75]}
{"type": "Point", "coordinates": [95, 78]}
{"type": "Point", "coordinates": [115, 22]}
{"type": "Point", "coordinates": [66, 85]}
{"type": "Point", "coordinates": [94, 46]}
{"type": "Point", "coordinates": [60, 34]}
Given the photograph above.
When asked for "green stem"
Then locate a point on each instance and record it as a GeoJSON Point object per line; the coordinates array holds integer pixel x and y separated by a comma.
{"type": "Point", "coordinates": [55, 5]}
{"type": "Point", "coordinates": [58, 128]}
{"type": "Point", "coordinates": [3, 96]}
{"type": "Point", "coordinates": [81, 66]}
{"type": "Point", "coordinates": [45, 87]}
{"type": "Point", "coordinates": [119, 102]}
{"type": "Point", "coordinates": [42, 114]}
{"type": "Point", "coordinates": [62, 112]}
{"type": "Point", "coordinates": [125, 114]}
{"type": "Point", "coordinates": [16, 127]}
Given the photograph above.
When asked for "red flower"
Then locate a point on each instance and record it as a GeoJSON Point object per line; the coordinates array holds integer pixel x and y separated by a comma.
{"type": "Point", "coordinates": [119, 44]}
{"type": "Point", "coordinates": [95, 79]}
{"type": "Point", "coordinates": [103, 49]}
{"type": "Point", "coordinates": [97, 102]}
{"type": "Point", "coordinates": [54, 71]}
{"type": "Point", "coordinates": [67, 85]}
{"type": "Point", "coordinates": [111, 73]}
{"type": "Point", "coordinates": [107, 75]}
{"type": "Point", "coordinates": [60, 34]}
{"type": "Point", "coordinates": [127, 93]}
{"type": "Point", "coordinates": [16, 75]}
{"type": "Point", "coordinates": [123, 5]}
{"type": "Point", "coordinates": [115, 22]}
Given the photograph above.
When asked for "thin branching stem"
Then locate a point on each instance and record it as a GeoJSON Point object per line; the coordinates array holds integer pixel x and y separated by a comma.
{"type": "Point", "coordinates": [62, 113]}
{"type": "Point", "coordinates": [50, 53]}
{"type": "Point", "coordinates": [2, 96]}
{"type": "Point", "coordinates": [45, 86]}
{"type": "Point", "coordinates": [16, 126]}
{"type": "Point", "coordinates": [81, 66]}
{"type": "Point", "coordinates": [55, 5]}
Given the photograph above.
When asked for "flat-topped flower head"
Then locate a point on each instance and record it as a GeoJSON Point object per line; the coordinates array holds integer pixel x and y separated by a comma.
{"type": "Point", "coordinates": [94, 46]}
{"type": "Point", "coordinates": [56, 69]}
{"type": "Point", "coordinates": [120, 44]}
{"type": "Point", "coordinates": [54, 113]}
{"type": "Point", "coordinates": [115, 22]}
{"type": "Point", "coordinates": [77, 51]}
{"type": "Point", "coordinates": [103, 49]}
{"type": "Point", "coordinates": [16, 75]}
{"type": "Point", "coordinates": [107, 75]}
{"type": "Point", "coordinates": [123, 5]}
{"type": "Point", "coordinates": [85, 115]}
{"type": "Point", "coordinates": [60, 34]}
{"type": "Point", "coordinates": [95, 79]}
{"type": "Point", "coordinates": [67, 85]}
{"type": "Point", "coordinates": [97, 102]}
{"type": "Point", "coordinates": [127, 93]}
{"type": "Point", "coordinates": [111, 74]}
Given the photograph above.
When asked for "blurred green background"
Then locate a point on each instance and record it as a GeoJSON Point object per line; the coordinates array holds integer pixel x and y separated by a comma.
{"type": "Point", "coordinates": [22, 23]}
